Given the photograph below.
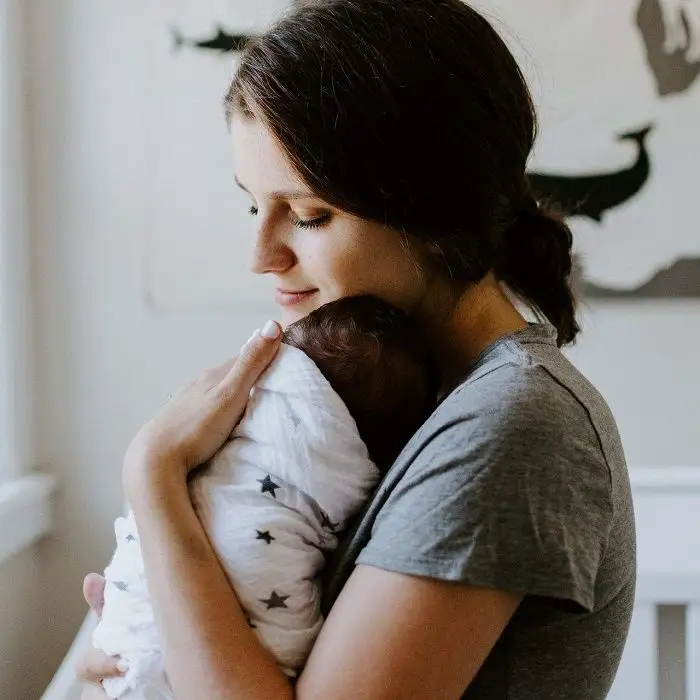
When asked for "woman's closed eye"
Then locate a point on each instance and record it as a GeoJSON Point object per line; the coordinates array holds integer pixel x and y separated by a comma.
{"type": "Point", "coordinates": [310, 223]}
{"type": "Point", "coordinates": [298, 222]}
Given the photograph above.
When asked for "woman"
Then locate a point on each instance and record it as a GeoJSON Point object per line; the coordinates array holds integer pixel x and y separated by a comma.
{"type": "Point", "coordinates": [383, 145]}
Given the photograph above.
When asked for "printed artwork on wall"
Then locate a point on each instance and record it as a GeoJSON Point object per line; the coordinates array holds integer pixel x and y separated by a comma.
{"type": "Point", "coordinates": [618, 89]}
{"type": "Point", "coordinates": [671, 33]}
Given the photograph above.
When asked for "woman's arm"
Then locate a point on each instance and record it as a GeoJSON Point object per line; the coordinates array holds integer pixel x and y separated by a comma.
{"type": "Point", "coordinates": [209, 650]}
{"type": "Point", "coordinates": [388, 636]}
{"type": "Point", "coordinates": [391, 636]}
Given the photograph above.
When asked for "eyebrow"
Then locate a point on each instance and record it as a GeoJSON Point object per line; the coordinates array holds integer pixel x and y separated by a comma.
{"type": "Point", "coordinates": [292, 194]}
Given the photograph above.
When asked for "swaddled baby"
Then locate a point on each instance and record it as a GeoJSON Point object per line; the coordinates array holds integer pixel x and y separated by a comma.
{"type": "Point", "coordinates": [351, 384]}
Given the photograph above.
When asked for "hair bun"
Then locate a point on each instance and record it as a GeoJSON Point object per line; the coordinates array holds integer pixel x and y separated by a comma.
{"type": "Point", "coordinates": [541, 233]}
{"type": "Point", "coordinates": [536, 263]}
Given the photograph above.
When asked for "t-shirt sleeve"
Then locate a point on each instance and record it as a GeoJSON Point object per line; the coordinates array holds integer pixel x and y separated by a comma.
{"type": "Point", "coordinates": [514, 495]}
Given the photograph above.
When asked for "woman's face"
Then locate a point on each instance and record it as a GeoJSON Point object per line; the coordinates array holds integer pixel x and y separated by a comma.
{"type": "Point", "coordinates": [314, 252]}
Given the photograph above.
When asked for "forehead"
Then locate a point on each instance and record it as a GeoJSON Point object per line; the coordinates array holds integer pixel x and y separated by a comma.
{"type": "Point", "coordinates": [261, 164]}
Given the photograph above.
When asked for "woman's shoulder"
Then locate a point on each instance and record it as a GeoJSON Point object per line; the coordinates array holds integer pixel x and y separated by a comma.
{"type": "Point", "coordinates": [519, 460]}
{"type": "Point", "coordinates": [523, 388]}
{"type": "Point", "coordinates": [520, 370]}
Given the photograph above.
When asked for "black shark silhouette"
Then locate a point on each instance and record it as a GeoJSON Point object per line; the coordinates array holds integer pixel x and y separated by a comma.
{"type": "Point", "coordinates": [221, 42]}
{"type": "Point", "coordinates": [593, 195]}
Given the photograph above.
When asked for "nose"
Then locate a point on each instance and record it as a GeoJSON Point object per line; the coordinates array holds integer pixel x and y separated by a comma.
{"type": "Point", "coordinates": [271, 251]}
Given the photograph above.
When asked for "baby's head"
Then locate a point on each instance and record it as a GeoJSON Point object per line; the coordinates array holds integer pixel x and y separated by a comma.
{"type": "Point", "coordinates": [378, 362]}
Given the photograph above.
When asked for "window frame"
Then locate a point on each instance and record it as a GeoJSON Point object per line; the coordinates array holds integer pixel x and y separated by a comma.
{"type": "Point", "coordinates": [25, 495]}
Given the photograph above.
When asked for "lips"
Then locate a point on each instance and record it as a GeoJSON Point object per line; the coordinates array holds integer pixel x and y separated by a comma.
{"type": "Point", "coordinates": [287, 297]}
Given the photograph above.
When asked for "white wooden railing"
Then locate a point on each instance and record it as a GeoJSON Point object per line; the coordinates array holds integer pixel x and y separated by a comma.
{"type": "Point", "coordinates": [667, 510]}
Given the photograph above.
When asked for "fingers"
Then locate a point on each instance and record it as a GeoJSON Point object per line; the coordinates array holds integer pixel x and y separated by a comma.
{"type": "Point", "coordinates": [258, 352]}
{"type": "Point", "coordinates": [94, 666]}
{"type": "Point", "coordinates": [94, 592]}
{"type": "Point", "coordinates": [254, 358]}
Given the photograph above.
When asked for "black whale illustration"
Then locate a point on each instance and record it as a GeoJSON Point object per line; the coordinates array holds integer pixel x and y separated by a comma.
{"type": "Point", "coordinates": [593, 195]}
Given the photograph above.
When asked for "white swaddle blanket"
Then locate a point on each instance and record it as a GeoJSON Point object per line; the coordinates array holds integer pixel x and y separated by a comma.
{"type": "Point", "coordinates": [293, 473]}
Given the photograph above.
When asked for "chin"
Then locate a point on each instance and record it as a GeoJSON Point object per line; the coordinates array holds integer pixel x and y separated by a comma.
{"type": "Point", "coordinates": [289, 316]}
{"type": "Point", "coordinates": [294, 310]}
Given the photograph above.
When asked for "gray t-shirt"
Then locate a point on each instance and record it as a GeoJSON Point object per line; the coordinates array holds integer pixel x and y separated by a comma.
{"type": "Point", "coordinates": [517, 482]}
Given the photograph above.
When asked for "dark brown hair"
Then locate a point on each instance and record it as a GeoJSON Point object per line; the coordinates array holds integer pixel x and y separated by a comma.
{"type": "Point", "coordinates": [379, 363]}
{"type": "Point", "coordinates": [414, 114]}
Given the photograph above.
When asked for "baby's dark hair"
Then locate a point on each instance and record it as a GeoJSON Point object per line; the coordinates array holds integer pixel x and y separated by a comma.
{"type": "Point", "coordinates": [379, 363]}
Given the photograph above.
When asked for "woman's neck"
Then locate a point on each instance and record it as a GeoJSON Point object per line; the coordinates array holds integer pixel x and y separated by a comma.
{"type": "Point", "coordinates": [482, 315]}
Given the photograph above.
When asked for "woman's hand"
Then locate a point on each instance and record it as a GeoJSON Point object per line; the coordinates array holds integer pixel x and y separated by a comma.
{"type": "Point", "coordinates": [185, 433]}
{"type": "Point", "coordinates": [200, 417]}
{"type": "Point", "coordinates": [94, 666]}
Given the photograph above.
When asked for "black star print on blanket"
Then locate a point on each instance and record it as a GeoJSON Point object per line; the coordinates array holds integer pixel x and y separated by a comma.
{"type": "Point", "coordinates": [268, 486]}
{"type": "Point", "coordinates": [275, 601]}
{"type": "Point", "coordinates": [265, 536]}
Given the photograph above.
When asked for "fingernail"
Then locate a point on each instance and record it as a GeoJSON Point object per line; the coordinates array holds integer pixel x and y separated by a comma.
{"type": "Point", "coordinates": [270, 330]}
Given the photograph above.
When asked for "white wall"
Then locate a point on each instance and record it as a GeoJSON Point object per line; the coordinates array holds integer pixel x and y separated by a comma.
{"type": "Point", "coordinates": [643, 356]}
{"type": "Point", "coordinates": [105, 362]}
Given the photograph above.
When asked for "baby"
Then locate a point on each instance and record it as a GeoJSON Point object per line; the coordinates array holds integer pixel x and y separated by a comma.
{"type": "Point", "coordinates": [351, 384]}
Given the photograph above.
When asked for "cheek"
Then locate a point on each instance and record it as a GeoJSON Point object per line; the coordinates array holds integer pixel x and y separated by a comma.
{"type": "Point", "coordinates": [346, 262]}
{"type": "Point", "coordinates": [384, 269]}
{"type": "Point", "coordinates": [336, 264]}
{"type": "Point", "coordinates": [400, 277]}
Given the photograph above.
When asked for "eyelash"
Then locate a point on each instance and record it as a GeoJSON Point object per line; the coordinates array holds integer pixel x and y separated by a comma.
{"type": "Point", "coordinates": [301, 223]}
